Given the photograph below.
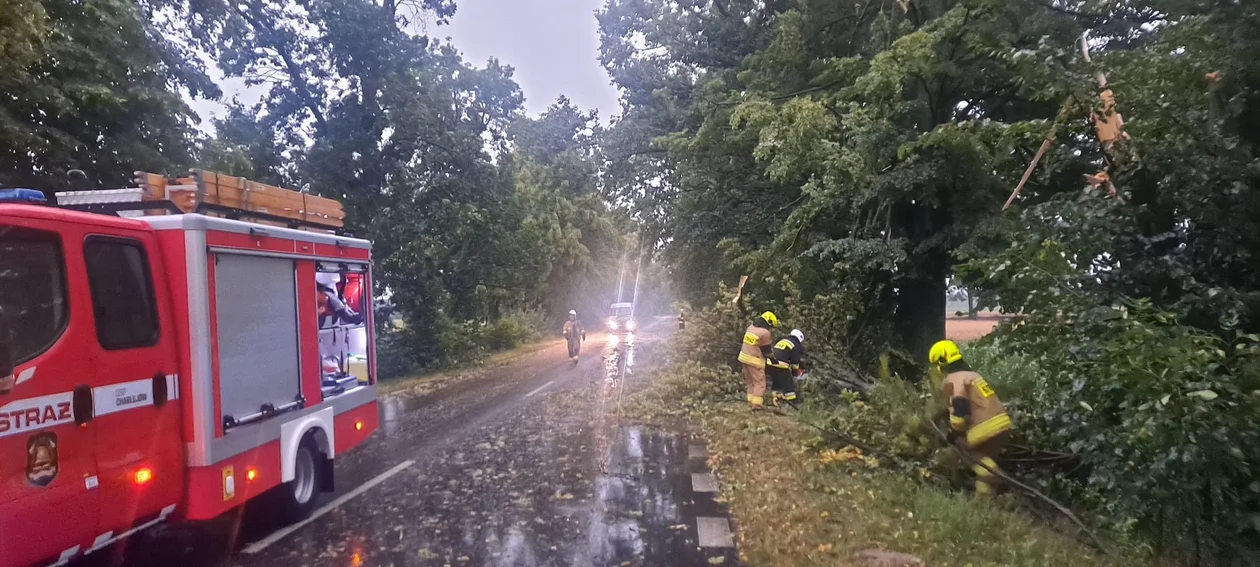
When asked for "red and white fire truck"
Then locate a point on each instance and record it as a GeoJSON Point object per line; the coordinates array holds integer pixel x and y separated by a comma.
{"type": "Point", "coordinates": [173, 366]}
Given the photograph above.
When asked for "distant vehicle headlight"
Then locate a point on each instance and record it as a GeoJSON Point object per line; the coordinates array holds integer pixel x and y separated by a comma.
{"type": "Point", "coordinates": [630, 325]}
{"type": "Point", "coordinates": [612, 324]}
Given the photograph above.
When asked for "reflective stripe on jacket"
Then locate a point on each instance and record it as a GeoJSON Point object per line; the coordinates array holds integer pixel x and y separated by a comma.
{"type": "Point", "coordinates": [754, 349]}
{"type": "Point", "coordinates": [787, 352]}
{"type": "Point", "coordinates": [988, 416]}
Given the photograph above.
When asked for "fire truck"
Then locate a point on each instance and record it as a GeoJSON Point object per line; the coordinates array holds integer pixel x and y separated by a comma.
{"type": "Point", "coordinates": [171, 351]}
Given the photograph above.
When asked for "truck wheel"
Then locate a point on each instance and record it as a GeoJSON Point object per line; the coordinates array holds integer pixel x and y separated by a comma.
{"type": "Point", "coordinates": [300, 494]}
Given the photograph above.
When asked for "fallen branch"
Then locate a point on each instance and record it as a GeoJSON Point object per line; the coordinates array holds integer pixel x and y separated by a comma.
{"type": "Point", "coordinates": [1045, 146]}
{"type": "Point", "coordinates": [846, 439]}
{"type": "Point", "coordinates": [1028, 489]}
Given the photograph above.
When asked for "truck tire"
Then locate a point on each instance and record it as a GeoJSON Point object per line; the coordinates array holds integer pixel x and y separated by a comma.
{"type": "Point", "coordinates": [299, 496]}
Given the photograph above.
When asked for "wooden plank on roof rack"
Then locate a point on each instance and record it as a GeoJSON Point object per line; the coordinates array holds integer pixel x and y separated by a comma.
{"type": "Point", "coordinates": [228, 193]}
{"type": "Point", "coordinates": [154, 185]}
{"type": "Point", "coordinates": [250, 196]}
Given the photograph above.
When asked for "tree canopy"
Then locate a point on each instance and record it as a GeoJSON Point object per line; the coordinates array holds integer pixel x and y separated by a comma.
{"type": "Point", "coordinates": [477, 212]}
{"type": "Point", "coordinates": [850, 157]}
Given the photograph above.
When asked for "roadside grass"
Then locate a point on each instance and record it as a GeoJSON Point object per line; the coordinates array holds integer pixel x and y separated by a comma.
{"type": "Point", "coordinates": [799, 501]}
{"type": "Point", "coordinates": [429, 381]}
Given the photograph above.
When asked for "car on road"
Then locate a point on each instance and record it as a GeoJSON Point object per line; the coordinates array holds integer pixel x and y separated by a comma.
{"type": "Point", "coordinates": [621, 318]}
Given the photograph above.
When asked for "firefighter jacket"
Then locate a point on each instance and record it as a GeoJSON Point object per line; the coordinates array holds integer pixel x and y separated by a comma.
{"type": "Point", "coordinates": [974, 408]}
{"type": "Point", "coordinates": [756, 347]}
{"type": "Point", "coordinates": [788, 354]}
{"type": "Point", "coordinates": [573, 330]}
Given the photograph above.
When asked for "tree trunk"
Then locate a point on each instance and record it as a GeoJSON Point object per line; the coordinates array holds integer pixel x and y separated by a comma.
{"type": "Point", "coordinates": [921, 302]}
{"type": "Point", "coordinates": [921, 314]}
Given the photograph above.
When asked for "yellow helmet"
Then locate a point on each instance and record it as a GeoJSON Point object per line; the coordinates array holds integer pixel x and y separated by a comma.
{"type": "Point", "coordinates": [770, 318]}
{"type": "Point", "coordinates": [943, 353]}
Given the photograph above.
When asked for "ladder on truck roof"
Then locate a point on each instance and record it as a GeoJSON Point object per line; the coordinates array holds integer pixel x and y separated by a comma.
{"type": "Point", "coordinates": [214, 194]}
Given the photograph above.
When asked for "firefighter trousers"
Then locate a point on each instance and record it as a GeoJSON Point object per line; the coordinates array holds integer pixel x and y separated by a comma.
{"type": "Point", "coordinates": [575, 346]}
{"type": "Point", "coordinates": [985, 455]}
{"type": "Point", "coordinates": [782, 382]}
{"type": "Point", "coordinates": [755, 385]}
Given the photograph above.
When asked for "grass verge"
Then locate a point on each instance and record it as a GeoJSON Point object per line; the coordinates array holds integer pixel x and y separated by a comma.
{"type": "Point", "coordinates": [798, 501]}
{"type": "Point", "coordinates": [438, 380]}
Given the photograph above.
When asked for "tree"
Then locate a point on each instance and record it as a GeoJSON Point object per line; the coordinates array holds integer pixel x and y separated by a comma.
{"type": "Point", "coordinates": [91, 86]}
{"type": "Point", "coordinates": [579, 242]}
{"type": "Point", "coordinates": [818, 142]}
{"type": "Point", "coordinates": [467, 226]}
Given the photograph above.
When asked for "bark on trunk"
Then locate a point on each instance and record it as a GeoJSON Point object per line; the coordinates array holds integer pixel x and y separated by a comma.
{"type": "Point", "coordinates": [921, 313]}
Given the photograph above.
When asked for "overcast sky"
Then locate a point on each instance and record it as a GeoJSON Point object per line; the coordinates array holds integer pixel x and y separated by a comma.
{"type": "Point", "coordinates": [552, 44]}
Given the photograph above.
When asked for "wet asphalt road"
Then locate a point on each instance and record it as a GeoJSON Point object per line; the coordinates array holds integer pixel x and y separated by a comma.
{"type": "Point", "coordinates": [521, 465]}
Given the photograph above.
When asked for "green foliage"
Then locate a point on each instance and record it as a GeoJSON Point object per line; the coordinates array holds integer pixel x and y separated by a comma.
{"type": "Point", "coordinates": [91, 86]}
{"type": "Point", "coordinates": [1135, 347]}
{"type": "Point", "coordinates": [399, 353]}
{"type": "Point", "coordinates": [849, 157]}
{"type": "Point", "coordinates": [889, 419]}
{"type": "Point", "coordinates": [817, 140]}
{"type": "Point", "coordinates": [712, 336]}
{"type": "Point", "coordinates": [516, 328]}
{"type": "Point", "coordinates": [684, 389]}
{"type": "Point", "coordinates": [477, 213]}
{"type": "Point", "coordinates": [575, 244]}
{"type": "Point", "coordinates": [21, 33]}
{"type": "Point", "coordinates": [1129, 389]}
{"type": "Point", "coordinates": [449, 344]}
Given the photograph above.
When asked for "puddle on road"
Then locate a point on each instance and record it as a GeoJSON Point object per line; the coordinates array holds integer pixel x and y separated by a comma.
{"type": "Point", "coordinates": [640, 512]}
{"type": "Point", "coordinates": [635, 514]}
{"type": "Point", "coordinates": [633, 505]}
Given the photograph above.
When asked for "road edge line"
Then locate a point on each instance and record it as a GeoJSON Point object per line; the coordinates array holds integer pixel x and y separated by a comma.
{"type": "Point", "coordinates": [326, 508]}
{"type": "Point", "coordinates": [540, 388]}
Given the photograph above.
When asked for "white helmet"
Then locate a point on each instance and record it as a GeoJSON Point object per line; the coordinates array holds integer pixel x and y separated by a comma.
{"type": "Point", "coordinates": [798, 334]}
{"type": "Point", "coordinates": [572, 312]}
{"type": "Point", "coordinates": [327, 278]}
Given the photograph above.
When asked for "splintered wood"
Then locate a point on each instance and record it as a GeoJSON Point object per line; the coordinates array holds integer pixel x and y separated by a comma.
{"type": "Point", "coordinates": [209, 188]}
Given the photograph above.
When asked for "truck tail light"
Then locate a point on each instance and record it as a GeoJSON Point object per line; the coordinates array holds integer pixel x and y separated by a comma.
{"type": "Point", "coordinates": [143, 476]}
{"type": "Point", "coordinates": [251, 474]}
{"type": "Point", "coordinates": [358, 426]}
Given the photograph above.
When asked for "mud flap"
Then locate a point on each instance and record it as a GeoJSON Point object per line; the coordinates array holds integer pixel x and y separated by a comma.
{"type": "Point", "coordinates": [326, 475]}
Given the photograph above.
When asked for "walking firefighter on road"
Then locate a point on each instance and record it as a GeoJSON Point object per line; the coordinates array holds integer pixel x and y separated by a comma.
{"type": "Point", "coordinates": [783, 370]}
{"type": "Point", "coordinates": [978, 421]}
{"type": "Point", "coordinates": [574, 334]}
{"type": "Point", "coordinates": [754, 353]}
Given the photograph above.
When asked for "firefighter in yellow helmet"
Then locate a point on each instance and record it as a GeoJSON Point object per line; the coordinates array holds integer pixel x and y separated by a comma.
{"type": "Point", "coordinates": [978, 421]}
{"type": "Point", "coordinates": [753, 355]}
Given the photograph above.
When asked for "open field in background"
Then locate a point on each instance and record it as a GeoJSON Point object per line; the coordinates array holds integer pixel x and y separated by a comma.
{"type": "Point", "coordinates": [962, 329]}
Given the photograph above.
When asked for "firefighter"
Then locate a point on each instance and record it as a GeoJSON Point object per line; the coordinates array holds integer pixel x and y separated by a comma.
{"type": "Point", "coordinates": [754, 353]}
{"type": "Point", "coordinates": [978, 422]}
{"type": "Point", "coordinates": [782, 372]}
{"type": "Point", "coordinates": [682, 320]}
{"type": "Point", "coordinates": [575, 334]}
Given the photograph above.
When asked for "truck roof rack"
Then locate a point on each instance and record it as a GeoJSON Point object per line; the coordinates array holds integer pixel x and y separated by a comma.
{"type": "Point", "coordinates": [214, 194]}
